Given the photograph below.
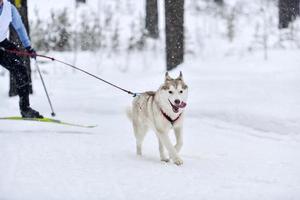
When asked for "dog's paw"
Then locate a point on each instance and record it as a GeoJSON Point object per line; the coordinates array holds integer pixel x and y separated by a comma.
{"type": "Point", "coordinates": [165, 160]}
{"type": "Point", "coordinates": [139, 151]}
{"type": "Point", "coordinates": [178, 161]}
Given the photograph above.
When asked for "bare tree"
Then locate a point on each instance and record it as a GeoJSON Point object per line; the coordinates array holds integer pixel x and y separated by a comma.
{"type": "Point", "coordinates": [22, 8]}
{"type": "Point", "coordinates": [80, 1]}
{"type": "Point", "coordinates": [152, 19]}
{"type": "Point", "coordinates": [288, 11]}
{"type": "Point", "coordinates": [219, 2]}
{"type": "Point", "coordinates": [174, 11]}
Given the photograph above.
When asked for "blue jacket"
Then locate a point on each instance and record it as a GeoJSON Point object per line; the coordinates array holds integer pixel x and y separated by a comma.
{"type": "Point", "coordinates": [18, 26]}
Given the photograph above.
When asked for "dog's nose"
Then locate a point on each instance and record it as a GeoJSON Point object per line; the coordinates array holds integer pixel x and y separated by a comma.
{"type": "Point", "coordinates": [177, 101]}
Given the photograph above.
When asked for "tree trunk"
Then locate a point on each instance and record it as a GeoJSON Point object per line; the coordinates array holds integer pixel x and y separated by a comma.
{"type": "Point", "coordinates": [22, 8]}
{"type": "Point", "coordinates": [80, 1]}
{"type": "Point", "coordinates": [219, 2]}
{"type": "Point", "coordinates": [174, 11]}
{"type": "Point", "coordinates": [288, 11]}
{"type": "Point", "coordinates": [152, 18]}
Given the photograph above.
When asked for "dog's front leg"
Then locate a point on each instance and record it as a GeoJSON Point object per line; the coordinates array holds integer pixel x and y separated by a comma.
{"type": "Point", "coordinates": [179, 140]}
{"type": "Point", "coordinates": [162, 154]}
{"type": "Point", "coordinates": [165, 140]}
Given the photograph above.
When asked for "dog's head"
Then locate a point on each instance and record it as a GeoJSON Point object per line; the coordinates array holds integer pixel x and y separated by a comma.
{"type": "Point", "coordinates": [173, 93]}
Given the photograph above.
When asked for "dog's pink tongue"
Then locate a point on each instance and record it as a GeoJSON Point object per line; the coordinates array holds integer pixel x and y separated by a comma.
{"type": "Point", "coordinates": [182, 105]}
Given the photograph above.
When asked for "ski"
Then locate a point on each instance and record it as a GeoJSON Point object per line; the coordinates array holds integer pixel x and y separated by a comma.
{"type": "Point", "coordinates": [46, 120]}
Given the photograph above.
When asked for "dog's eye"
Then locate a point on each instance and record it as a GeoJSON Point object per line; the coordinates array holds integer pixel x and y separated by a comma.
{"type": "Point", "coordinates": [170, 92]}
{"type": "Point", "coordinates": [180, 91]}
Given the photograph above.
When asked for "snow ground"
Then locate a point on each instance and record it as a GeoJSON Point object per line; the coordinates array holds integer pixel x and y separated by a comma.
{"type": "Point", "coordinates": [241, 135]}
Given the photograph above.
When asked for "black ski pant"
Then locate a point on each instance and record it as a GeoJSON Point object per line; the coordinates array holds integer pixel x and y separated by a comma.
{"type": "Point", "coordinates": [16, 67]}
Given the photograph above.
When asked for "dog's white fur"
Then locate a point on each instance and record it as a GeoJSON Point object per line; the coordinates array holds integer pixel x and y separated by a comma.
{"type": "Point", "coordinates": [150, 110]}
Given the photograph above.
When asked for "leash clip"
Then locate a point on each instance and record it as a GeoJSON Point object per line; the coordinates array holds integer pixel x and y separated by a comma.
{"type": "Point", "coordinates": [135, 94]}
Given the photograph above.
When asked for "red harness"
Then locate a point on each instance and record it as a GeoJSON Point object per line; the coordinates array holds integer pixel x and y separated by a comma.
{"type": "Point", "coordinates": [172, 121]}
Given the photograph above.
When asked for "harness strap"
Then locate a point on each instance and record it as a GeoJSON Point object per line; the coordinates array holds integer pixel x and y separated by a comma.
{"type": "Point", "coordinates": [172, 121]}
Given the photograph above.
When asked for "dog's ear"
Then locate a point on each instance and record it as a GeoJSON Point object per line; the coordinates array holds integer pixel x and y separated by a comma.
{"type": "Point", "coordinates": [180, 77]}
{"type": "Point", "coordinates": [167, 77]}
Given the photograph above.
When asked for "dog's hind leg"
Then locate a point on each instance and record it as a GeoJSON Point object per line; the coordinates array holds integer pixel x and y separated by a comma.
{"type": "Point", "coordinates": [139, 133]}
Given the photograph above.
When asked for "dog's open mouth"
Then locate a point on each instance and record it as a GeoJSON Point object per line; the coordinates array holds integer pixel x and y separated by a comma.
{"type": "Point", "coordinates": [175, 108]}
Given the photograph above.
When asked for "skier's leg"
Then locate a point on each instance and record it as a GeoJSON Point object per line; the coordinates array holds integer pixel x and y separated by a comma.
{"type": "Point", "coordinates": [14, 65]}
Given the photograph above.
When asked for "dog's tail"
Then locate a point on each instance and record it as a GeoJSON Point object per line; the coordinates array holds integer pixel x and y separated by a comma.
{"type": "Point", "coordinates": [129, 113]}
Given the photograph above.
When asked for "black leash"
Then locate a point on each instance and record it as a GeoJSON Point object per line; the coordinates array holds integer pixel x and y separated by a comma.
{"type": "Point", "coordinates": [24, 53]}
{"type": "Point", "coordinates": [88, 73]}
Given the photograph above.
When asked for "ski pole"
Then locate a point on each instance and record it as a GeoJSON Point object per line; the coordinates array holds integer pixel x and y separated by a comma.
{"type": "Point", "coordinates": [45, 89]}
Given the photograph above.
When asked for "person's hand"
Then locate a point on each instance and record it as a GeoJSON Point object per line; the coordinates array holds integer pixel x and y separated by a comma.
{"type": "Point", "coordinates": [31, 51]}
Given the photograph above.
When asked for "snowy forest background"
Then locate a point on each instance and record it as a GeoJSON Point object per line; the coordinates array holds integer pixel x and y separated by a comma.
{"type": "Point", "coordinates": [238, 27]}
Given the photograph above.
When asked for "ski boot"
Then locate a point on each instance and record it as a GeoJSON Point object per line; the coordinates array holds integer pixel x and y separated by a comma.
{"type": "Point", "coordinates": [26, 110]}
{"type": "Point", "coordinates": [30, 113]}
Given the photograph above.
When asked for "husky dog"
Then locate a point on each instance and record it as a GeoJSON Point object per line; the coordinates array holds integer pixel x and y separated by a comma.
{"type": "Point", "coordinates": [162, 111]}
